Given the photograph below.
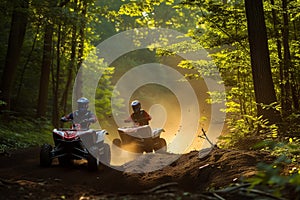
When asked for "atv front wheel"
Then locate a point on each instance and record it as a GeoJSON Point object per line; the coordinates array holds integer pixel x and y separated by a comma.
{"type": "Point", "coordinates": [160, 146]}
{"type": "Point", "coordinates": [92, 163]}
{"type": "Point", "coordinates": [148, 145]}
{"type": "Point", "coordinates": [45, 155]}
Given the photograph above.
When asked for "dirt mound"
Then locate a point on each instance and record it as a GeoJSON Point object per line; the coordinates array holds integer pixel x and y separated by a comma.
{"type": "Point", "coordinates": [22, 177]}
{"type": "Point", "coordinates": [218, 168]}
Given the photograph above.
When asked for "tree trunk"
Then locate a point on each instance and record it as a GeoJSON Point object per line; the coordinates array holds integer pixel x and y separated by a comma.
{"type": "Point", "coordinates": [70, 69]}
{"type": "Point", "coordinates": [286, 60]}
{"type": "Point", "coordinates": [45, 71]}
{"type": "Point", "coordinates": [295, 81]}
{"type": "Point", "coordinates": [55, 81]}
{"type": "Point", "coordinates": [295, 97]}
{"type": "Point", "coordinates": [15, 42]}
{"type": "Point", "coordinates": [78, 84]}
{"type": "Point", "coordinates": [279, 54]}
{"type": "Point", "coordinates": [260, 60]}
{"type": "Point", "coordinates": [72, 64]}
{"type": "Point", "coordinates": [25, 67]}
{"type": "Point", "coordinates": [46, 62]}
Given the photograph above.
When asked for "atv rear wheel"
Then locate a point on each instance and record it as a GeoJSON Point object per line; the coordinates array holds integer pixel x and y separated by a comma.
{"type": "Point", "coordinates": [117, 142]}
{"type": "Point", "coordinates": [160, 146]}
{"type": "Point", "coordinates": [45, 155]}
{"type": "Point", "coordinates": [148, 145]}
{"type": "Point", "coordinates": [92, 163]}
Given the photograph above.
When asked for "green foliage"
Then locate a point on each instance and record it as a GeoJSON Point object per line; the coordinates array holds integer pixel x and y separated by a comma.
{"type": "Point", "coordinates": [21, 133]}
{"type": "Point", "coordinates": [246, 132]}
{"type": "Point", "coordinates": [218, 26]}
{"type": "Point", "coordinates": [150, 13]}
{"type": "Point", "coordinates": [284, 172]}
{"type": "Point", "coordinates": [212, 27]}
{"type": "Point", "coordinates": [104, 94]}
{"type": "Point", "coordinates": [288, 147]}
{"type": "Point", "coordinates": [2, 103]}
{"type": "Point", "coordinates": [221, 28]}
{"type": "Point", "coordinates": [291, 126]}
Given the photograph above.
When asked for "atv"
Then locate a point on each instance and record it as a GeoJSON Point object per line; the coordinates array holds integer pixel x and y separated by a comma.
{"type": "Point", "coordinates": [139, 139]}
{"type": "Point", "coordinates": [76, 144]}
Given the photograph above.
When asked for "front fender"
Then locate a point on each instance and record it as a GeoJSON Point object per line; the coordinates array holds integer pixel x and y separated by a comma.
{"type": "Point", "coordinates": [100, 135]}
{"type": "Point", "coordinates": [156, 132]}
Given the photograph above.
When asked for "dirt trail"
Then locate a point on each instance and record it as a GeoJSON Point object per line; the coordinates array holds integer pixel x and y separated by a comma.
{"type": "Point", "coordinates": [21, 177]}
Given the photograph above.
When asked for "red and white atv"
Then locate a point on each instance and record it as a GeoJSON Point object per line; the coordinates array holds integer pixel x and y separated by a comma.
{"type": "Point", "coordinates": [75, 144]}
{"type": "Point", "coordinates": [139, 139]}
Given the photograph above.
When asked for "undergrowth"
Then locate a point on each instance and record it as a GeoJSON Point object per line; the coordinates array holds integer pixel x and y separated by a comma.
{"type": "Point", "coordinates": [283, 175]}
{"type": "Point", "coordinates": [22, 133]}
{"type": "Point", "coordinates": [282, 142]}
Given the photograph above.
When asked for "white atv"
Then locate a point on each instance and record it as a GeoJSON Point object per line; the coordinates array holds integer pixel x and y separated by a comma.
{"type": "Point", "coordinates": [139, 139]}
{"type": "Point", "coordinates": [74, 144]}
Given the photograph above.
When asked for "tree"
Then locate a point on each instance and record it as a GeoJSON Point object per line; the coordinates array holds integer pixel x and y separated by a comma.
{"type": "Point", "coordinates": [260, 60]}
{"type": "Point", "coordinates": [286, 60]}
{"type": "Point", "coordinates": [45, 71]}
{"type": "Point", "coordinates": [78, 84]}
{"type": "Point", "coordinates": [16, 39]}
{"type": "Point", "coordinates": [46, 62]}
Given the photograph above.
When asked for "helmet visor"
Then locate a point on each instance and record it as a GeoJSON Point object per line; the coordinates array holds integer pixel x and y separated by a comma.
{"type": "Point", "coordinates": [82, 107]}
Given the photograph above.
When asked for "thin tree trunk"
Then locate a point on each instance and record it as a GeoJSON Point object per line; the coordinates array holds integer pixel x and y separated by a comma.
{"type": "Point", "coordinates": [46, 63]}
{"type": "Point", "coordinates": [295, 81]}
{"type": "Point", "coordinates": [295, 97]}
{"type": "Point", "coordinates": [15, 42]}
{"type": "Point", "coordinates": [78, 84]}
{"type": "Point", "coordinates": [286, 59]}
{"type": "Point", "coordinates": [70, 70]}
{"type": "Point", "coordinates": [26, 65]}
{"type": "Point", "coordinates": [260, 60]}
{"type": "Point", "coordinates": [55, 80]}
{"type": "Point", "coordinates": [72, 65]}
{"type": "Point", "coordinates": [45, 71]}
{"type": "Point", "coordinates": [279, 54]}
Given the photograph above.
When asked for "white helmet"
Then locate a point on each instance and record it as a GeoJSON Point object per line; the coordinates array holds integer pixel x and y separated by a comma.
{"type": "Point", "coordinates": [136, 106]}
{"type": "Point", "coordinates": [83, 104]}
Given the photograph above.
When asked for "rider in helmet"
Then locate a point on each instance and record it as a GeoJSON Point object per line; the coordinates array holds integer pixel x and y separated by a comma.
{"type": "Point", "coordinates": [139, 116]}
{"type": "Point", "coordinates": [82, 116]}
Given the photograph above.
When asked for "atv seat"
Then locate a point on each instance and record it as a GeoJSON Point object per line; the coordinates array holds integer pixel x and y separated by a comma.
{"type": "Point", "coordinates": [142, 132]}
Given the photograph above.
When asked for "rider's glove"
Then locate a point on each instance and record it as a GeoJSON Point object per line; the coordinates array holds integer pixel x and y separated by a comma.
{"type": "Point", "coordinates": [64, 119]}
{"type": "Point", "coordinates": [92, 120]}
{"type": "Point", "coordinates": [89, 120]}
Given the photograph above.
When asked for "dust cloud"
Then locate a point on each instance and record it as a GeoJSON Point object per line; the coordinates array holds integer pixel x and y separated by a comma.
{"type": "Point", "coordinates": [162, 104]}
{"type": "Point", "coordinates": [164, 108]}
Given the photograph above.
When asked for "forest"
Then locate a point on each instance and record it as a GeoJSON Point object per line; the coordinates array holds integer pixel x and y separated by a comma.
{"type": "Point", "coordinates": [254, 44]}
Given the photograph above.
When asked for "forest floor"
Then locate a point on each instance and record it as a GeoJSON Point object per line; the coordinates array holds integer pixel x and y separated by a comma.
{"type": "Point", "coordinates": [189, 177]}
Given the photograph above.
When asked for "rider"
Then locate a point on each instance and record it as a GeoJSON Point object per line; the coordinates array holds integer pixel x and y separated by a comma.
{"type": "Point", "coordinates": [82, 116]}
{"type": "Point", "coordinates": [139, 116]}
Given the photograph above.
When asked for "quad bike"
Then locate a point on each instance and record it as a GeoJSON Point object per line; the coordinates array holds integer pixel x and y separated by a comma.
{"type": "Point", "coordinates": [139, 139]}
{"type": "Point", "coordinates": [76, 144]}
